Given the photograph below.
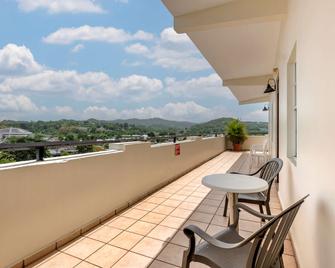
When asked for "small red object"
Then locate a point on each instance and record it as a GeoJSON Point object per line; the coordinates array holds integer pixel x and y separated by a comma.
{"type": "Point", "coordinates": [177, 149]}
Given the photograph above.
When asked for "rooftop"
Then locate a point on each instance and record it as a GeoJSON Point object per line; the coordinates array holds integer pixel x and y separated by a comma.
{"type": "Point", "coordinates": [149, 234]}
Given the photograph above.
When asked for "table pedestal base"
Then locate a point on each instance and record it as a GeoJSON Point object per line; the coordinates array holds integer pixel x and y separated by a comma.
{"type": "Point", "coordinates": [233, 212]}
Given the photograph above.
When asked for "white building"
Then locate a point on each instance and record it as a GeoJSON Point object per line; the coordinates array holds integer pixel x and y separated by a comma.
{"type": "Point", "coordinates": [13, 132]}
{"type": "Point", "coordinates": [248, 42]}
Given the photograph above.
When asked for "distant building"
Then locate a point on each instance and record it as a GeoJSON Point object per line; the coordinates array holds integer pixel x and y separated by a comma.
{"type": "Point", "coordinates": [13, 132]}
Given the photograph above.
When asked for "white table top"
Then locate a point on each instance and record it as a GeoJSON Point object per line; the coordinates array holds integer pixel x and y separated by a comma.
{"type": "Point", "coordinates": [235, 183]}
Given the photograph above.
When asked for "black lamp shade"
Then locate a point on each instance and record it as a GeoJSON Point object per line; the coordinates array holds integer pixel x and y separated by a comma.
{"type": "Point", "coordinates": [269, 89]}
{"type": "Point", "coordinates": [265, 109]}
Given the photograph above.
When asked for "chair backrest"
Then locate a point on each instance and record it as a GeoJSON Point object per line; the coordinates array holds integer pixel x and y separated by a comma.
{"type": "Point", "coordinates": [269, 171]}
{"type": "Point", "coordinates": [269, 240]}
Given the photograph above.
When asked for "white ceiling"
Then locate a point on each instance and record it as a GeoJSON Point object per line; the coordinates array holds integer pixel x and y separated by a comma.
{"type": "Point", "coordinates": [240, 51]}
{"type": "Point", "coordinates": [180, 7]}
{"type": "Point", "coordinates": [239, 38]}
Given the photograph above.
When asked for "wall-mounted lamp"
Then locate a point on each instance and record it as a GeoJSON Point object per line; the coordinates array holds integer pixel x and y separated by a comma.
{"type": "Point", "coordinates": [271, 87]}
{"type": "Point", "coordinates": [265, 109]}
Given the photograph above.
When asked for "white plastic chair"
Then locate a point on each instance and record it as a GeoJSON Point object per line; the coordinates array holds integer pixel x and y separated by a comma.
{"type": "Point", "coordinates": [259, 154]}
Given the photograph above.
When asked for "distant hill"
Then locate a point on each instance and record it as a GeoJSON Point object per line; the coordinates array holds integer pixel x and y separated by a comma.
{"type": "Point", "coordinates": [103, 129]}
{"type": "Point", "coordinates": [155, 123]}
{"type": "Point", "coordinates": [219, 125]}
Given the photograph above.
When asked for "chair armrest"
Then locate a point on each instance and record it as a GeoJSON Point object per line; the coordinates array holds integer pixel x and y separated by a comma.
{"type": "Point", "coordinates": [192, 229]}
{"type": "Point", "coordinates": [253, 212]}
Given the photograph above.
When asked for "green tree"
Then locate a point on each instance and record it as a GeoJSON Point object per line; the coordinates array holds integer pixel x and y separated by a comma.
{"type": "Point", "coordinates": [6, 157]}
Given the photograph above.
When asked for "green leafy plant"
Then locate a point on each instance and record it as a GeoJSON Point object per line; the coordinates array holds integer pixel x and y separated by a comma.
{"type": "Point", "coordinates": [236, 131]}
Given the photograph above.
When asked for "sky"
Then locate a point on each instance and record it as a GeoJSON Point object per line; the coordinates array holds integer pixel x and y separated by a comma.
{"type": "Point", "coordinates": [105, 59]}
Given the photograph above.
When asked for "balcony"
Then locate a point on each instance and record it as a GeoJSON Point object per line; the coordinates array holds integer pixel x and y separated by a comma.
{"type": "Point", "coordinates": [126, 208]}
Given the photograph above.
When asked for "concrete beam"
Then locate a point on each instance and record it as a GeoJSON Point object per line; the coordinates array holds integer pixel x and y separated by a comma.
{"type": "Point", "coordinates": [248, 81]}
{"type": "Point", "coordinates": [231, 13]}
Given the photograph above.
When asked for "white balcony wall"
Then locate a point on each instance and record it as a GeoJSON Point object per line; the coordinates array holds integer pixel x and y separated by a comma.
{"type": "Point", "coordinates": [41, 203]}
{"type": "Point", "coordinates": [310, 25]}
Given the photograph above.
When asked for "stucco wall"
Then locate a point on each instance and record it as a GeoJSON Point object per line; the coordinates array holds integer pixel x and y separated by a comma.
{"type": "Point", "coordinates": [41, 202]}
{"type": "Point", "coordinates": [311, 25]}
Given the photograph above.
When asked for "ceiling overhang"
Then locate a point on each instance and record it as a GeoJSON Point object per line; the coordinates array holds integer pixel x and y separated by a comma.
{"type": "Point", "coordinates": [239, 38]}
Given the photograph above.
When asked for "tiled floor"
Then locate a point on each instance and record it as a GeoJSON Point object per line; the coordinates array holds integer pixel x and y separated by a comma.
{"type": "Point", "coordinates": [150, 233]}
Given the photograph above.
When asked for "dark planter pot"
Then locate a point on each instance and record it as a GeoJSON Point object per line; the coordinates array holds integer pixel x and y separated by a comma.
{"type": "Point", "coordinates": [237, 147]}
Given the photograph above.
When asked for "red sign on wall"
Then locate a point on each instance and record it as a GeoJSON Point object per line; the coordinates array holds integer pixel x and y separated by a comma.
{"type": "Point", "coordinates": [177, 149]}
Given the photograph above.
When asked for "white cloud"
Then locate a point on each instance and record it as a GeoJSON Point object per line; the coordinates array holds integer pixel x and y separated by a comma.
{"type": "Point", "coordinates": [99, 34]}
{"type": "Point", "coordinates": [122, 1]}
{"type": "Point", "coordinates": [20, 103]}
{"type": "Point", "coordinates": [17, 60]}
{"type": "Point", "coordinates": [207, 86]}
{"type": "Point", "coordinates": [61, 6]}
{"type": "Point", "coordinates": [137, 49]}
{"type": "Point", "coordinates": [172, 51]}
{"type": "Point", "coordinates": [64, 110]}
{"type": "Point", "coordinates": [257, 115]}
{"type": "Point", "coordinates": [189, 111]}
{"type": "Point", "coordinates": [77, 48]}
{"type": "Point", "coordinates": [93, 86]}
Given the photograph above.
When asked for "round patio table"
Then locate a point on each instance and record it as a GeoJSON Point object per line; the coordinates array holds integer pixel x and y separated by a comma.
{"type": "Point", "coordinates": [235, 184]}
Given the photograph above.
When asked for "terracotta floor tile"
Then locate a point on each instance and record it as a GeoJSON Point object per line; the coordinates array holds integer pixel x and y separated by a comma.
{"type": "Point", "coordinates": [133, 260]}
{"type": "Point", "coordinates": [173, 222]}
{"type": "Point", "coordinates": [162, 195]}
{"type": "Point", "coordinates": [163, 233]}
{"type": "Point", "coordinates": [163, 210]}
{"type": "Point", "coordinates": [202, 217]}
{"type": "Point", "coordinates": [58, 260]}
{"type": "Point", "coordinates": [159, 264]}
{"type": "Point", "coordinates": [85, 264]}
{"type": "Point", "coordinates": [250, 226]}
{"type": "Point", "coordinates": [211, 202]}
{"type": "Point", "coordinates": [201, 225]}
{"type": "Point", "coordinates": [135, 214]}
{"type": "Point", "coordinates": [126, 240]}
{"type": "Point", "coordinates": [193, 199]}
{"type": "Point", "coordinates": [146, 206]}
{"type": "Point", "coordinates": [141, 227]}
{"type": "Point", "coordinates": [172, 254]}
{"type": "Point", "coordinates": [171, 203]}
{"type": "Point", "coordinates": [178, 197]}
{"type": "Point", "coordinates": [182, 240]}
{"type": "Point", "coordinates": [181, 213]}
{"type": "Point", "coordinates": [104, 233]}
{"type": "Point", "coordinates": [155, 200]}
{"type": "Point", "coordinates": [188, 205]}
{"type": "Point", "coordinates": [289, 261]}
{"type": "Point", "coordinates": [84, 248]}
{"type": "Point", "coordinates": [207, 209]}
{"type": "Point", "coordinates": [121, 222]}
{"type": "Point", "coordinates": [106, 256]}
{"type": "Point", "coordinates": [149, 247]}
{"type": "Point", "coordinates": [153, 217]}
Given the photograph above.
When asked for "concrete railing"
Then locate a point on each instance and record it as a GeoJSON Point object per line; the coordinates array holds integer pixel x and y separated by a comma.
{"type": "Point", "coordinates": [44, 204]}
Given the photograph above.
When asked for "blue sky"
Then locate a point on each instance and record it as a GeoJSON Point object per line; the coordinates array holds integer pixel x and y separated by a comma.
{"type": "Point", "coordinates": [107, 60]}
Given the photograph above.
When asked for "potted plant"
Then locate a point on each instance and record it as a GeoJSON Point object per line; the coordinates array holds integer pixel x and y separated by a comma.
{"type": "Point", "coordinates": [237, 133]}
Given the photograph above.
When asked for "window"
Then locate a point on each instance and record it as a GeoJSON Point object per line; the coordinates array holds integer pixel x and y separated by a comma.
{"type": "Point", "coordinates": [292, 108]}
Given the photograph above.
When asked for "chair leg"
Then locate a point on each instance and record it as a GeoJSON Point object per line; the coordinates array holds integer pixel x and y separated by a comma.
{"type": "Point", "coordinates": [261, 211]}
{"type": "Point", "coordinates": [225, 207]}
{"type": "Point", "coordinates": [268, 210]}
{"type": "Point", "coordinates": [186, 260]}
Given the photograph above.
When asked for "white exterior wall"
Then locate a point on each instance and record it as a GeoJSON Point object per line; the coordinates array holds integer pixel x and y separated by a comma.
{"type": "Point", "coordinates": [40, 203]}
{"type": "Point", "coordinates": [311, 25]}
